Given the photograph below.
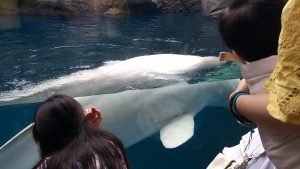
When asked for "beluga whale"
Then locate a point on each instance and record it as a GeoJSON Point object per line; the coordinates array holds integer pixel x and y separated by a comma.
{"type": "Point", "coordinates": [134, 115]}
{"type": "Point", "coordinates": [142, 72]}
{"type": "Point", "coordinates": [167, 106]}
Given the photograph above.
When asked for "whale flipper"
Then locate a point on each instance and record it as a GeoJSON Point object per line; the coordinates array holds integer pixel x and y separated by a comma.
{"type": "Point", "coordinates": [178, 131]}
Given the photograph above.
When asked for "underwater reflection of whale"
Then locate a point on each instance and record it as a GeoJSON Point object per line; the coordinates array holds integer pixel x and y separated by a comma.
{"type": "Point", "coordinates": [134, 115]}
{"type": "Point", "coordinates": [115, 76]}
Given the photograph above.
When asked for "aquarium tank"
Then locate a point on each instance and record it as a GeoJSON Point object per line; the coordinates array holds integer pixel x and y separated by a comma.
{"type": "Point", "coordinates": [149, 51]}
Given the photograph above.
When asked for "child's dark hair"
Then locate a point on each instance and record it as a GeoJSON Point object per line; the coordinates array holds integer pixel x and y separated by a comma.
{"type": "Point", "coordinates": [252, 27]}
{"type": "Point", "coordinates": [67, 140]}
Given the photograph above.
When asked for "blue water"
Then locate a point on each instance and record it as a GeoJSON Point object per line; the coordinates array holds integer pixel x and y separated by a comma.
{"type": "Point", "coordinates": [43, 48]}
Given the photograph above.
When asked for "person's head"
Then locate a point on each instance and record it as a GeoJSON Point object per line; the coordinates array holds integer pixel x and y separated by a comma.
{"type": "Point", "coordinates": [68, 139]}
{"type": "Point", "coordinates": [57, 121]}
{"type": "Point", "coordinates": [251, 28]}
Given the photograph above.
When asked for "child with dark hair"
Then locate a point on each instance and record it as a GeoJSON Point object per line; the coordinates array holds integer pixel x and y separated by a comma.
{"type": "Point", "coordinates": [278, 111]}
{"type": "Point", "coordinates": [251, 28]}
{"type": "Point", "coordinates": [69, 137]}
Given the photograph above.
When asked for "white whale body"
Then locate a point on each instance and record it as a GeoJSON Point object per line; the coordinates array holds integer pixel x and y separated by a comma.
{"type": "Point", "coordinates": [162, 101]}
{"type": "Point", "coordinates": [136, 73]}
{"type": "Point", "coordinates": [133, 115]}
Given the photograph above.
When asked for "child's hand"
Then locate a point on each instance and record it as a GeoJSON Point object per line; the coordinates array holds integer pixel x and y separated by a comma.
{"type": "Point", "coordinates": [242, 87]}
{"type": "Point", "coordinates": [93, 116]}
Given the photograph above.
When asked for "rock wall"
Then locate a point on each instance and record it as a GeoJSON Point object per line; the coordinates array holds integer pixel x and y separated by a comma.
{"type": "Point", "coordinates": [72, 7]}
{"type": "Point", "coordinates": [179, 6]}
{"type": "Point", "coordinates": [109, 7]}
{"type": "Point", "coordinates": [213, 7]}
{"type": "Point", "coordinates": [207, 7]}
{"type": "Point", "coordinates": [8, 7]}
{"type": "Point", "coordinates": [142, 6]}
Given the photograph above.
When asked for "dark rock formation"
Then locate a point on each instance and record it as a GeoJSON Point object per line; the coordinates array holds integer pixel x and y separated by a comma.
{"type": "Point", "coordinates": [179, 6]}
{"type": "Point", "coordinates": [207, 7]}
{"type": "Point", "coordinates": [213, 7]}
{"type": "Point", "coordinates": [8, 7]}
{"type": "Point", "coordinates": [72, 7]}
{"type": "Point", "coordinates": [142, 6]}
{"type": "Point", "coordinates": [109, 7]}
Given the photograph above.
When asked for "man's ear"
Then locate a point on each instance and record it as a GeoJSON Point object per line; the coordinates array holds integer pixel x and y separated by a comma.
{"type": "Point", "coordinates": [238, 57]}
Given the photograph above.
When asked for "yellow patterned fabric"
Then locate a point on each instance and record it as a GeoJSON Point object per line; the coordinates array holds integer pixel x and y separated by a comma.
{"type": "Point", "coordinates": [284, 83]}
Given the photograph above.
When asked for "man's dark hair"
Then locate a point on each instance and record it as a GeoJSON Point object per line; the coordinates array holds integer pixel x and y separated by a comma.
{"type": "Point", "coordinates": [252, 27]}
